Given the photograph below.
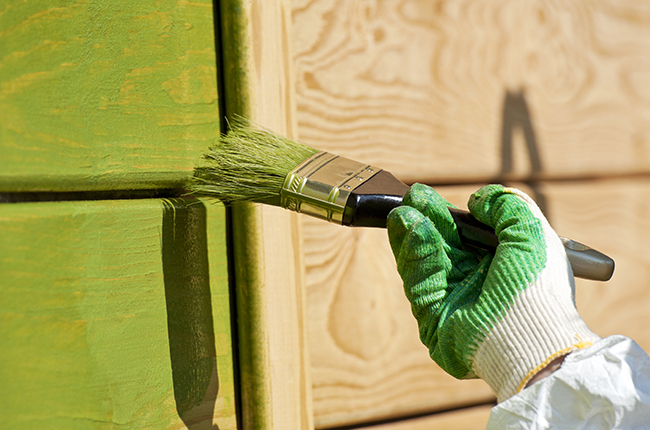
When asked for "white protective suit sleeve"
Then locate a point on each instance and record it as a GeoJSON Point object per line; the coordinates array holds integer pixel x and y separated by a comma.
{"type": "Point", "coordinates": [605, 386]}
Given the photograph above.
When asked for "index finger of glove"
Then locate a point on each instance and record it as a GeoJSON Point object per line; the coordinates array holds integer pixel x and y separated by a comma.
{"type": "Point", "coordinates": [521, 254]}
{"type": "Point", "coordinates": [512, 214]}
{"type": "Point", "coordinates": [426, 200]}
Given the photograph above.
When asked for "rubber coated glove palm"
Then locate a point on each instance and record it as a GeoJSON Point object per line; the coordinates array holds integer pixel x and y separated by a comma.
{"type": "Point", "coordinates": [501, 318]}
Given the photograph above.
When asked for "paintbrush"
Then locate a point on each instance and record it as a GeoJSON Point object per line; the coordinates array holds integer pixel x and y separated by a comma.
{"type": "Point", "coordinates": [252, 164]}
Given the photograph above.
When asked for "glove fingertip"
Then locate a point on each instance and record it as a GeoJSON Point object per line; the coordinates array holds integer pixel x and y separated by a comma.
{"type": "Point", "coordinates": [483, 202]}
{"type": "Point", "coordinates": [412, 235]}
{"type": "Point", "coordinates": [421, 196]}
{"type": "Point", "coordinates": [399, 222]}
{"type": "Point", "coordinates": [403, 216]}
{"type": "Point", "coordinates": [484, 195]}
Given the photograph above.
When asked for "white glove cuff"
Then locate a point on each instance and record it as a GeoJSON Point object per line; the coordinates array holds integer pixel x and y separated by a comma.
{"type": "Point", "coordinates": [541, 325]}
{"type": "Point", "coordinates": [530, 336]}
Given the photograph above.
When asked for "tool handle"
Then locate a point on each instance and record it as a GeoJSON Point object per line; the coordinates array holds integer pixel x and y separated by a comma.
{"type": "Point", "coordinates": [585, 262]}
{"type": "Point", "coordinates": [370, 203]}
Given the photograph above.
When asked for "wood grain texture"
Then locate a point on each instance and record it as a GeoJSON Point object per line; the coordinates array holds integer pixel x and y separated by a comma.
{"type": "Point", "coordinates": [467, 419]}
{"type": "Point", "coordinates": [612, 216]}
{"type": "Point", "coordinates": [460, 92]}
{"type": "Point", "coordinates": [115, 314]}
{"type": "Point", "coordinates": [432, 90]}
{"type": "Point", "coordinates": [102, 95]}
{"type": "Point", "coordinates": [274, 363]}
{"type": "Point", "coordinates": [367, 360]}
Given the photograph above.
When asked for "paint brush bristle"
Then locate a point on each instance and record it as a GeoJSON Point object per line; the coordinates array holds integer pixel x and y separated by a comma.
{"type": "Point", "coordinates": [248, 163]}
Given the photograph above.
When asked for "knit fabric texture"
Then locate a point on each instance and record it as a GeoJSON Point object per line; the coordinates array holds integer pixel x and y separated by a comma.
{"type": "Point", "coordinates": [499, 317]}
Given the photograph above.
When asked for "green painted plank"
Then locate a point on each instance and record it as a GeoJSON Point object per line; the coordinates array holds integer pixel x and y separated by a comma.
{"type": "Point", "coordinates": [238, 94]}
{"type": "Point", "coordinates": [237, 55]}
{"type": "Point", "coordinates": [98, 95]}
{"type": "Point", "coordinates": [114, 315]}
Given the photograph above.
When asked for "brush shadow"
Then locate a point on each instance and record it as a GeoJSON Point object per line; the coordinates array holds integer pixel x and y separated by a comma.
{"type": "Point", "coordinates": [516, 115]}
{"type": "Point", "coordinates": [189, 311]}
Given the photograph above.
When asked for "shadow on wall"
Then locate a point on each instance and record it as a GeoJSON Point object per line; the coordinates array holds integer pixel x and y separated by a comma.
{"type": "Point", "coordinates": [189, 311]}
{"type": "Point", "coordinates": [516, 115]}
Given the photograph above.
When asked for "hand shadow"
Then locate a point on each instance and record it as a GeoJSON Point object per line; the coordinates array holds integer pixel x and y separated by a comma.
{"type": "Point", "coordinates": [517, 115]}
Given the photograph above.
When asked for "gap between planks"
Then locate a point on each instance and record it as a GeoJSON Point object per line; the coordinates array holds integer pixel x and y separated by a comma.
{"type": "Point", "coordinates": [57, 196]}
{"type": "Point", "coordinates": [638, 176]}
{"type": "Point", "coordinates": [406, 418]}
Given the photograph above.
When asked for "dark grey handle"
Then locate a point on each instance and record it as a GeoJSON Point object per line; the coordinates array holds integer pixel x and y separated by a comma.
{"type": "Point", "coordinates": [586, 262]}
{"type": "Point", "coordinates": [370, 203]}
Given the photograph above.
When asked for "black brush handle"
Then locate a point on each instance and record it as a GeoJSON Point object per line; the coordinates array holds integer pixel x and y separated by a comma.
{"type": "Point", "coordinates": [370, 203]}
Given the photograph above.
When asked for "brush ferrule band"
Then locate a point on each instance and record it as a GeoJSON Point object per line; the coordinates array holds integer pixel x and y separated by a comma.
{"type": "Point", "coordinates": [320, 186]}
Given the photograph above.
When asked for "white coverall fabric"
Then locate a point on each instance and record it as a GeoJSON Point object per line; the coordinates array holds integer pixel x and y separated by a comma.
{"type": "Point", "coordinates": [605, 386]}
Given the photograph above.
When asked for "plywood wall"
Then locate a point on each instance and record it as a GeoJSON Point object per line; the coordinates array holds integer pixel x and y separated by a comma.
{"type": "Point", "coordinates": [274, 368]}
{"type": "Point", "coordinates": [549, 96]}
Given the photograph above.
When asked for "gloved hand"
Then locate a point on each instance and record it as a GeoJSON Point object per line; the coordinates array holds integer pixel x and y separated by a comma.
{"type": "Point", "coordinates": [501, 318]}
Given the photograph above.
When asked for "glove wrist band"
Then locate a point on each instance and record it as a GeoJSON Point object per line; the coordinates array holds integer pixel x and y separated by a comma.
{"type": "Point", "coordinates": [529, 337]}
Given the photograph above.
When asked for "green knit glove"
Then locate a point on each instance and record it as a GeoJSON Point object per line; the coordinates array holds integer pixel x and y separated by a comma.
{"type": "Point", "coordinates": [501, 318]}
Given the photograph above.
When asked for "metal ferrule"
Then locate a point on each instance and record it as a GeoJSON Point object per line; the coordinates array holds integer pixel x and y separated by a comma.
{"type": "Point", "coordinates": [321, 185]}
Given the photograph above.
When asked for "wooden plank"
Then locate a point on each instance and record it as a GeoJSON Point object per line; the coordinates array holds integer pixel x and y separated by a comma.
{"type": "Point", "coordinates": [115, 314]}
{"type": "Point", "coordinates": [455, 93]}
{"type": "Point", "coordinates": [474, 418]}
{"type": "Point", "coordinates": [448, 92]}
{"type": "Point", "coordinates": [274, 363]}
{"type": "Point", "coordinates": [612, 216]}
{"type": "Point", "coordinates": [367, 360]}
{"type": "Point", "coordinates": [102, 95]}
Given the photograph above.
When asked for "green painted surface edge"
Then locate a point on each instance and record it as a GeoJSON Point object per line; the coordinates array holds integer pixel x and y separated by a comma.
{"type": "Point", "coordinates": [236, 54]}
{"type": "Point", "coordinates": [80, 281]}
{"type": "Point", "coordinates": [254, 360]}
{"type": "Point", "coordinates": [105, 95]}
{"type": "Point", "coordinates": [255, 383]}
{"type": "Point", "coordinates": [76, 182]}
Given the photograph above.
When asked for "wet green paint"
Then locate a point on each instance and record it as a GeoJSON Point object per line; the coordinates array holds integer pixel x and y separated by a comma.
{"type": "Point", "coordinates": [99, 95]}
{"type": "Point", "coordinates": [238, 91]}
{"type": "Point", "coordinates": [90, 315]}
{"type": "Point", "coordinates": [189, 306]}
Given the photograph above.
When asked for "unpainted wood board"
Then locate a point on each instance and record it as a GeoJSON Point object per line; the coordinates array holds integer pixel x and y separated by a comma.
{"type": "Point", "coordinates": [115, 314]}
{"type": "Point", "coordinates": [367, 360]}
{"type": "Point", "coordinates": [474, 418]}
{"type": "Point", "coordinates": [433, 90]}
{"type": "Point", "coordinates": [267, 241]}
{"type": "Point", "coordinates": [612, 216]}
{"type": "Point", "coordinates": [100, 95]}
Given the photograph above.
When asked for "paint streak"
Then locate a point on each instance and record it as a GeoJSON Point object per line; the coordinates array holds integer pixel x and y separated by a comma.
{"type": "Point", "coordinates": [189, 309]}
{"type": "Point", "coordinates": [193, 86]}
{"type": "Point", "coordinates": [90, 338]}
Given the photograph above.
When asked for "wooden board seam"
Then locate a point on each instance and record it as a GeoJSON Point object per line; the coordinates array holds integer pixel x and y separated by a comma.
{"type": "Point", "coordinates": [402, 418]}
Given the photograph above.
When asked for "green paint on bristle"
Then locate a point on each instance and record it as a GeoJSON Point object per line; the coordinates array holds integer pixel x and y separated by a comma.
{"type": "Point", "coordinates": [248, 164]}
